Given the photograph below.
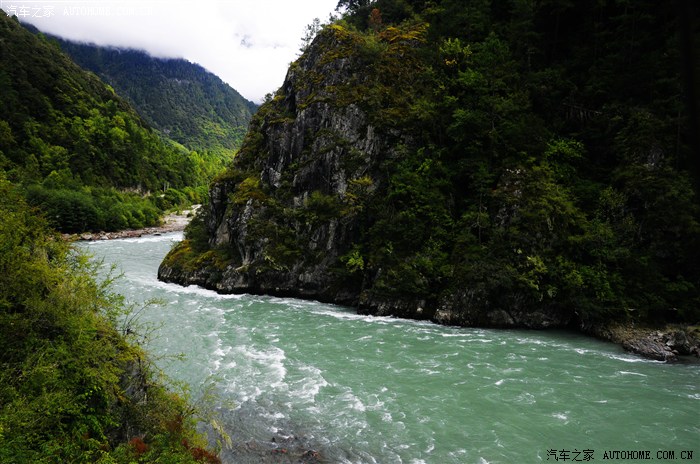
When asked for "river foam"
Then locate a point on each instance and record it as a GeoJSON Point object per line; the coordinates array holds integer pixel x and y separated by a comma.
{"type": "Point", "coordinates": [362, 389]}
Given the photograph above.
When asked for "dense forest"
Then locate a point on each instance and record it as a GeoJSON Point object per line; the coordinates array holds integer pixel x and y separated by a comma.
{"type": "Point", "coordinates": [182, 100]}
{"type": "Point", "coordinates": [79, 151]}
{"type": "Point", "coordinates": [481, 163]}
{"type": "Point", "coordinates": [554, 160]}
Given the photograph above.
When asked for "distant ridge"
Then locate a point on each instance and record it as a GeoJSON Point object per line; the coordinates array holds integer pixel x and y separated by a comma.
{"type": "Point", "coordinates": [182, 100]}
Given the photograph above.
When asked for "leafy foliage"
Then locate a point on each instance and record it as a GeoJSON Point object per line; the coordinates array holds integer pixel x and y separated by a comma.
{"type": "Point", "coordinates": [86, 208]}
{"type": "Point", "coordinates": [73, 388]}
{"type": "Point", "coordinates": [533, 132]}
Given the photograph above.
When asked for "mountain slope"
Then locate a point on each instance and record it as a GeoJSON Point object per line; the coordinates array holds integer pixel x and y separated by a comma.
{"type": "Point", "coordinates": [519, 164]}
{"type": "Point", "coordinates": [181, 99]}
{"type": "Point", "coordinates": [75, 146]}
{"type": "Point", "coordinates": [55, 116]}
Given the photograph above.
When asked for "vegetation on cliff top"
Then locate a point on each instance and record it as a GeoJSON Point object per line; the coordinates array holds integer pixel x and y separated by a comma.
{"type": "Point", "coordinates": [545, 163]}
{"type": "Point", "coordinates": [74, 386]}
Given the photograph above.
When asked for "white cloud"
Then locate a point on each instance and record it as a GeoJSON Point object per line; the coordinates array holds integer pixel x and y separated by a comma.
{"type": "Point", "coordinates": [248, 44]}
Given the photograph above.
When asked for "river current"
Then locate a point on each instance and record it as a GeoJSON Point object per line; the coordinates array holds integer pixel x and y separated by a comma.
{"type": "Point", "coordinates": [360, 389]}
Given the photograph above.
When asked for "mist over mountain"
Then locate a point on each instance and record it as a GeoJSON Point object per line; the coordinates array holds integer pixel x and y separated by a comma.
{"type": "Point", "coordinates": [82, 153]}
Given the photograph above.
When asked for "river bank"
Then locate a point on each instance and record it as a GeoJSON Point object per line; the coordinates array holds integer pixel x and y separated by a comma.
{"type": "Point", "coordinates": [173, 222]}
{"type": "Point", "coordinates": [669, 343]}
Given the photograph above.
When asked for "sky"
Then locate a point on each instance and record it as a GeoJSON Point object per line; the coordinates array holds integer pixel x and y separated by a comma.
{"type": "Point", "coordinates": [247, 43]}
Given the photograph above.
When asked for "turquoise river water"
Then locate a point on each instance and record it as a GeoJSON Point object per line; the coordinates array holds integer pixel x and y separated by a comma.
{"type": "Point", "coordinates": [363, 389]}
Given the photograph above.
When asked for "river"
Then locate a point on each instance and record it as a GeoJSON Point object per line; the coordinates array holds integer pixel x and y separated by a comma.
{"type": "Point", "coordinates": [360, 389]}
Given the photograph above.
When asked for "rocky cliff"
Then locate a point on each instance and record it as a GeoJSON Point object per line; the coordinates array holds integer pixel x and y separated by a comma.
{"type": "Point", "coordinates": [291, 206]}
{"type": "Point", "coordinates": [286, 218]}
{"type": "Point", "coordinates": [419, 168]}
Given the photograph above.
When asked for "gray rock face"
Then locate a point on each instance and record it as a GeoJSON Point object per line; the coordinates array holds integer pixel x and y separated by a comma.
{"type": "Point", "coordinates": [312, 161]}
{"type": "Point", "coordinates": [652, 347]}
{"type": "Point", "coordinates": [670, 344]}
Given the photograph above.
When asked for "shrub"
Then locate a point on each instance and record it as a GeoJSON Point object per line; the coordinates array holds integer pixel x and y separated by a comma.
{"type": "Point", "coordinates": [72, 387]}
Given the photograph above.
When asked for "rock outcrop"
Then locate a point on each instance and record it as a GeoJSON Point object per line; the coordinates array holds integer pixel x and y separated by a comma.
{"type": "Point", "coordinates": [290, 211]}
{"type": "Point", "coordinates": [669, 343]}
{"type": "Point", "coordinates": [291, 206]}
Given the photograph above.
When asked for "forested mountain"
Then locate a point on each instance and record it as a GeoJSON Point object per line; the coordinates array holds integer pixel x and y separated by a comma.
{"type": "Point", "coordinates": [517, 163]}
{"type": "Point", "coordinates": [76, 147]}
{"type": "Point", "coordinates": [181, 99]}
{"type": "Point", "coordinates": [57, 116]}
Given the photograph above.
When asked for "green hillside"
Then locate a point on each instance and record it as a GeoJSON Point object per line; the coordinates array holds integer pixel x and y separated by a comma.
{"type": "Point", "coordinates": [80, 151]}
{"type": "Point", "coordinates": [74, 385]}
{"type": "Point", "coordinates": [182, 100]}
